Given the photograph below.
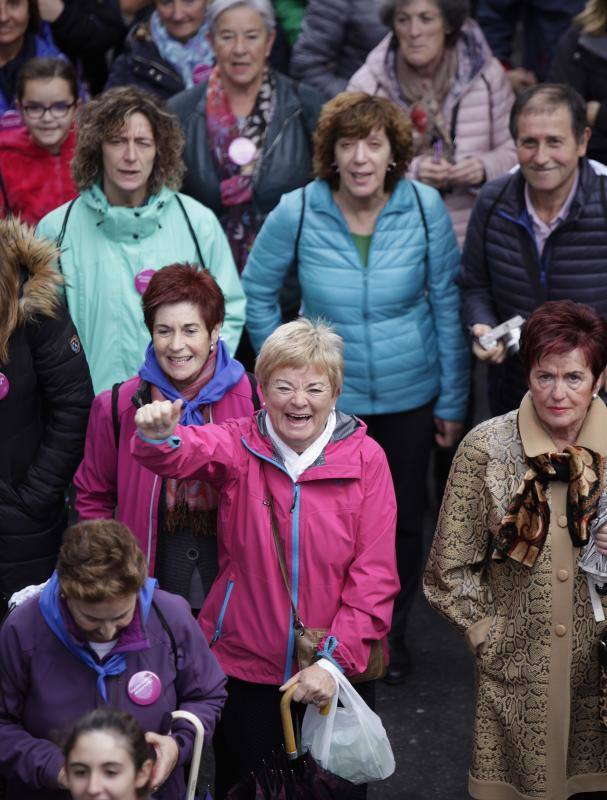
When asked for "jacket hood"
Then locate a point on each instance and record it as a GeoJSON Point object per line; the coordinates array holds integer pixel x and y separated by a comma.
{"type": "Point", "coordinates": [29, 275]}
{"type": "Point", "coordinates": [123, 224]}
{"type": "Point", "coordinates": [473, 55]}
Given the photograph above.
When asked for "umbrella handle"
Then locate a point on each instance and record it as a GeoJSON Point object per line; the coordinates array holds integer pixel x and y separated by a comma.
{"type": "Point", "coordinates": [196, 752]}
{"type": "Point", "coordinates": [287, 720]}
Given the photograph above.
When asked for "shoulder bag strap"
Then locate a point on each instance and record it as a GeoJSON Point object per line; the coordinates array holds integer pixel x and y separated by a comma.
{"type": "Point", "coordinates": [191, 230]}
{"type": "Point", "coordinates": [282, 562]}
{"type": "Point", "coordinates": [115, 417]}
{"type": "Point", "coordinates": [425, 224]}
{"type": "Point", "coordinates": [295, 267]}
{"type": "Point", "coordinates": [254, 395]}
{"type": "Point", "coordinates": [167, 628]}
{"type": "Point", "coordinates": [61, 236]}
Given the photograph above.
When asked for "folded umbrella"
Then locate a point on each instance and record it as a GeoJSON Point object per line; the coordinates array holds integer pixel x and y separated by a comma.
{"type": "Point", "coordinates": [289, 774]}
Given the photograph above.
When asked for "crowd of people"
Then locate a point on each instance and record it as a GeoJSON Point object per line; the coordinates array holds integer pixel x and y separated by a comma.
{"type": "Point", "coordinates": [251, 253]}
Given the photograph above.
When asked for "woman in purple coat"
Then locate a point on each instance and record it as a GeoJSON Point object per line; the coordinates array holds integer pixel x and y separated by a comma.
{"type": "Point", "coordinates": [101, 633]}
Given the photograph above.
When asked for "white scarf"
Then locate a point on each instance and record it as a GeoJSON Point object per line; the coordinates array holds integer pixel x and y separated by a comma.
{"type": "Point", "coordinates": [296, 463]}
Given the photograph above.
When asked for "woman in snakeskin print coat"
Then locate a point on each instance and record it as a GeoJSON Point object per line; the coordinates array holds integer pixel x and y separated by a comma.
{"type": "Point", "coordinates": [504, 568]}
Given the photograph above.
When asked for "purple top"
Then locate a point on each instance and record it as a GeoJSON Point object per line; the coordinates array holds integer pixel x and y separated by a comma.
{"type": "Point", "coordinates": [44, 689]}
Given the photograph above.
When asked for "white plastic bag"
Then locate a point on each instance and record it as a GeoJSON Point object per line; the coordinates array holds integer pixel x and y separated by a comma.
{"type": "Point", "coordinates": [351, 741]}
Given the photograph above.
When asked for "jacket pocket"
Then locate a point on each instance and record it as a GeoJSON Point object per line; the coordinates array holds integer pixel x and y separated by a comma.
{"type": "Point", "coordinates": [222, 611]}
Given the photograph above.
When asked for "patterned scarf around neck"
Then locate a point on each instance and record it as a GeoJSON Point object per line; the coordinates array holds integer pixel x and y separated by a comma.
{"type": "Point", "coordinates": [193, 503]}
{"type": "Point", "coordinates": [525, 525]}
{"type": "Point", "coordinates": [236, 182]}
{"type": "Point", "coordinates": [193, 59]}
{"type": "Point", "coordinates": [425, 98]}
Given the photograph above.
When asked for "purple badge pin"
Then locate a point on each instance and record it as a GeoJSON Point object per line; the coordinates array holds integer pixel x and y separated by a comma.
{"type": "Point", "coordinates": [4, 386]}
{"type": "Point", "coordinates": [142, 279]}
{"type": "Point", "coordinates": [144, 688]}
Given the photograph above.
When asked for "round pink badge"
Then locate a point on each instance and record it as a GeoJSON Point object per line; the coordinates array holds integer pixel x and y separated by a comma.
{"type": "Point", "coordinates": [144, 688]}
{"type": "Point", "coordinates": [242, 151]}
{"type": "Point", "coordinates": [4, 386]}
{"type": "Point", "coordinates": [142, 279]}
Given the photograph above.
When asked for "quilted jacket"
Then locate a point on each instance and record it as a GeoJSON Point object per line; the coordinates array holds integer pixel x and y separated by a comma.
{"type": "Point", "coordinates": [399, 315]}
{"type": "Point", "coordinates": [503, 274]}
{"type": "Point", "coordinates": [477, 107]}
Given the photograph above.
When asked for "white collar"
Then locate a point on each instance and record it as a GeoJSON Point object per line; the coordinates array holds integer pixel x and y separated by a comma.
{"type": "Point", "coordinates": [296, 463]}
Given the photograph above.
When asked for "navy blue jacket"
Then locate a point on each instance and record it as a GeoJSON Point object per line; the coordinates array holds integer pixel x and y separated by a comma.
{"type": "Point", "coordinates": [503, 274]}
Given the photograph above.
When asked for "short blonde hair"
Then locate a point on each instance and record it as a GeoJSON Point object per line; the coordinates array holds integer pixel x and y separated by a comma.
{"type": "Point", "coordinates": [100, 559]}
{"type": "Point", "coordinates": [302, 343]}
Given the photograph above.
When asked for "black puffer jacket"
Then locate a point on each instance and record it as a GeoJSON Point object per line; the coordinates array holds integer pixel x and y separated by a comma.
{"type": "Point", "coordinates": [44, 415]}
{"type": "Point", "coordinates": [142, 65]}
{"type": "Point", "coordinates": [503, 275]}
{"type": "Point", "coordinates": [581, 62]}
{"type": "Point", "coordinates": [85, 31]}
{"type": "Point", "coordinates": [286, 162]}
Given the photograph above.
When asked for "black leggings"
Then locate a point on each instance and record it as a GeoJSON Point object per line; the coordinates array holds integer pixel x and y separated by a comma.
{"type": "Point", "coordinates": [406, 438]}
{"type": "Point", "coordinates": [250, 729]}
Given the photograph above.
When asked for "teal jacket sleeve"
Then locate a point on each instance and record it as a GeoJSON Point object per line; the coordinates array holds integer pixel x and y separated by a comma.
{"type": "Point", "coordinates": [268, 265]}
{"type": "Point", "coordinates": [220, 263]}
{"type": "Point", "coordinates": [443, 266]}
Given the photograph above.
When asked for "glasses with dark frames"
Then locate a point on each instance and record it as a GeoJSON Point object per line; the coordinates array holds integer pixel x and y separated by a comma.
{"type": "Point", "coordinates": [56, 110]}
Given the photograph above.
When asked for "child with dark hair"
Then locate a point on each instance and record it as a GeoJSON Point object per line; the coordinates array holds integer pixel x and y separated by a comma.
{"type": "Point", "coordinates": [107, 751]}
{"type": "Point", "coordinates": [35, 160]}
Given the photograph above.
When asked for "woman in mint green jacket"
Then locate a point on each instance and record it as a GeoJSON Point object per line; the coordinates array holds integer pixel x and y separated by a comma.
{"type": "Point", "coordinates": [128, 221]}
{"type": "Point", "coordinates": [376, 256]}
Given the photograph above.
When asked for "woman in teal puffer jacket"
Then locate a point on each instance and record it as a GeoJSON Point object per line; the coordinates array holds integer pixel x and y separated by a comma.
{"type": "Point", "coordinates": [376, 255]}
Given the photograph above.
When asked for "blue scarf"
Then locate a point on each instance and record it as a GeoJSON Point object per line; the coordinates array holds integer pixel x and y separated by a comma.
{"type": "Point", "coordinates": [228, 372]}
{"type": "Point", "coordinates": [51, 611]}
{"type": "Point", "coordinates": [184, 57]}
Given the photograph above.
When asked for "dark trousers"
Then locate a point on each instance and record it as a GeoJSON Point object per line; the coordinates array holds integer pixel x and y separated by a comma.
{"type": "Point", "coordinates": [544, 23]}
{"type": "Point", "coordinates": [406, 437]}
{"type": "Point", "coordinates": [250, 729]}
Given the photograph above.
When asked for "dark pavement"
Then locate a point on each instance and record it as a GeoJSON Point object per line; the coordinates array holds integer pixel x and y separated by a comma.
{"type": "Point", "coordinates": [429, 718]}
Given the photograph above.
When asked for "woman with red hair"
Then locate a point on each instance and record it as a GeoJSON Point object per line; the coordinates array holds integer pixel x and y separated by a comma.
{"type": "Point", "coordinates": [174, 521]}
{"type": "Point", "coordinates": [504, 567]}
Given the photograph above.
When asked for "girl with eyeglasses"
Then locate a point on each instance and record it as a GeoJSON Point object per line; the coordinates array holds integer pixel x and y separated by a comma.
{"type": "Point", "coordinates": [35, 160]}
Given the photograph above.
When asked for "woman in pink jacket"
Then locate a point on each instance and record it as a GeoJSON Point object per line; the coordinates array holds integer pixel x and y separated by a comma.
{"type": "Point", "coordinates": [174, 521]}
{"type": "Point", "coordinates": [301, 478]}
{"type": "Point", "coordinates": [437, 64]}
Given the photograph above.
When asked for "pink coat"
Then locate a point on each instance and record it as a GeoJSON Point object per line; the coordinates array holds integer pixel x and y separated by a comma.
{"type": "Point", "coordinates": [112, 484]}
{"type": "Point", "coordinates": [337, 522]}
{"type": "Point", "coordinates": [482, 117]}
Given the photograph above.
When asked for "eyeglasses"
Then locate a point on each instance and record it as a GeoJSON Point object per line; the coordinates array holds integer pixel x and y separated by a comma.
{"type": "Point", "coordinates": [56, 110]}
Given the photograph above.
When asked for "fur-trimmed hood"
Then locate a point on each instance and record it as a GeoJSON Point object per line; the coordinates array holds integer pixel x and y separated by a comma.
{"type": "Point", "coordinates": [40, 293]}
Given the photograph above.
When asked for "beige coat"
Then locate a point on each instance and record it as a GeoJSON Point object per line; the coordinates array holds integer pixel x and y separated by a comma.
{"type": "Point", "coordinates": [537, 733]}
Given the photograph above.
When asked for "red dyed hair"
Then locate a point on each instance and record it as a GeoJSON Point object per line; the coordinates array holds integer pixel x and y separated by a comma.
{"type": "Point", "coordinates": [184, 283]}
{"type": "Point", "coordinates": [560, 326]}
